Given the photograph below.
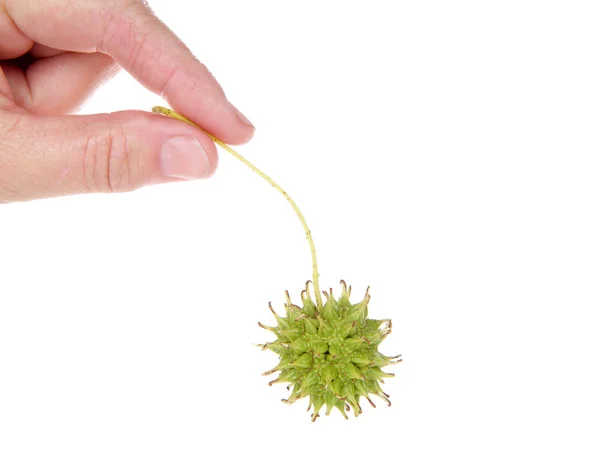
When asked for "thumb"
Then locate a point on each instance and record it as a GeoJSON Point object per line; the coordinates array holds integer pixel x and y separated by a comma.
{"type": "Point", "coordinates": [44, 156]}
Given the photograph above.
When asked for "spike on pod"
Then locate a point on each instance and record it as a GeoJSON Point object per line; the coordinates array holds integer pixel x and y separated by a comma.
{"type": "Point", "coordinates": [344, 287]}
{"type": "Point", "coordinates": [346, 290]}
{"type": "Point", "coordinates": [268, 328]}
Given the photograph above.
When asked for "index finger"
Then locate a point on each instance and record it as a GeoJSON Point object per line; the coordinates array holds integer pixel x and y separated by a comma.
{"type": "Point", "coordinates": [144, 46]}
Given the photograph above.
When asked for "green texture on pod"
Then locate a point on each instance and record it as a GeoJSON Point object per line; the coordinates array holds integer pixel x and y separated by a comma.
{"type": "Point", "coordinates": [330, 355]}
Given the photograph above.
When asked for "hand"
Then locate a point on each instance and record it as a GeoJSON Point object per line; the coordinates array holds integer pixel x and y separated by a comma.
{"type": "Point", "coordinates": [53, 54]}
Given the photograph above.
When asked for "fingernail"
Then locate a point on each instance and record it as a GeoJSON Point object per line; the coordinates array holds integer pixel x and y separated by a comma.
{"type": "Point", "coordinates": [243, 119]}
{"type": "Point", "coordinates": [184, 157]}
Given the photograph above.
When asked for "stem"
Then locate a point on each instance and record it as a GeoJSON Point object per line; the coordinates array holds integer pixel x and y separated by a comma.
{"type": "Point", "coordinates": [313, 253]}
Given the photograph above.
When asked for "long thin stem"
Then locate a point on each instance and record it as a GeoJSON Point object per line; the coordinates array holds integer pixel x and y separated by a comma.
{"type": "Point", "coordinates": [313, 253]}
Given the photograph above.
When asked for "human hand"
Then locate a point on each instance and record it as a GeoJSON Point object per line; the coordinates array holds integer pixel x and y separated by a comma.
{"type": "Point", "coordinates": [53, 54]}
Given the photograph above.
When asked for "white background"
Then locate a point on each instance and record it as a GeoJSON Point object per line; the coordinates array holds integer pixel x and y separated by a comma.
{"type": "Point", "coordinates": [444, 153]}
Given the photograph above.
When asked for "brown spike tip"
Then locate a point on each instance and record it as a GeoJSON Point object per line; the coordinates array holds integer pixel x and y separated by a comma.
{"type": "Point", "coordinates": [270, 372]}
{"type": "Point", "coordinates": [344, 287]}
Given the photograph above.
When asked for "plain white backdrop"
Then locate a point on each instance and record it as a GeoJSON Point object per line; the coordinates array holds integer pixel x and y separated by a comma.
{"type": "Point", "coordinates": [445, 153]}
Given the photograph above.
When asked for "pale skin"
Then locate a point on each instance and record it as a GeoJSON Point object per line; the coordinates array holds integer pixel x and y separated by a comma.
{"type": "Point", "coordinates": [54, 54]}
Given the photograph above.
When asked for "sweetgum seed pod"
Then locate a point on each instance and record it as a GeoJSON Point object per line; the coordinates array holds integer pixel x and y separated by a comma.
{"type": "Point", "coordinates": [337, 369]}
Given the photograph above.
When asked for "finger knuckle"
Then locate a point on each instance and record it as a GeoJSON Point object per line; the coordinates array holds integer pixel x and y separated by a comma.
{"type": "Point", "coordinates": [122, 28]}
{"type": "Point", "coordinates": [107, 162]}
{"type": "Point", "coordinates": [13, 145]}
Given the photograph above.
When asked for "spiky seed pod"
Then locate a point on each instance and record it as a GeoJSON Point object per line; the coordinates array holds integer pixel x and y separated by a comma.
{"type": "Point", "coordinates": [330, 355]}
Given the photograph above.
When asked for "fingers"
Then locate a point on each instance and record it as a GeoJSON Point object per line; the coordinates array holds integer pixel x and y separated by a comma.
{"type": "Point", "coordinates": [129, 32]}
{"type": "Point", "coordinates": [13, 42]}
{"type": "Point", "coordinates": [60, 84]}
{"type": "Point", "coordinates": [41, 51]}
{"type": "Point", "coordinates": [44, 156]}
{"type": "Point", "coordinates": [6, 98]}
{"type": "Point", "coordinates": [152, 53]}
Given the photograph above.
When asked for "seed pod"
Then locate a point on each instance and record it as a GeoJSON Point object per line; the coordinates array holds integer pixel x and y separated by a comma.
{"type": "Point", "coordinates": [333, 358]}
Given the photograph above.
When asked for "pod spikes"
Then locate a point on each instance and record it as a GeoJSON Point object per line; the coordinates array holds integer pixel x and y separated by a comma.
{"type": "Point", "coordinates": [332, 355]}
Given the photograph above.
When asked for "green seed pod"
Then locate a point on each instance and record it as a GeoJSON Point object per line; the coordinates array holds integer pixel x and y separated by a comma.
{"type": "Point", "coordinates": [335, 362]}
